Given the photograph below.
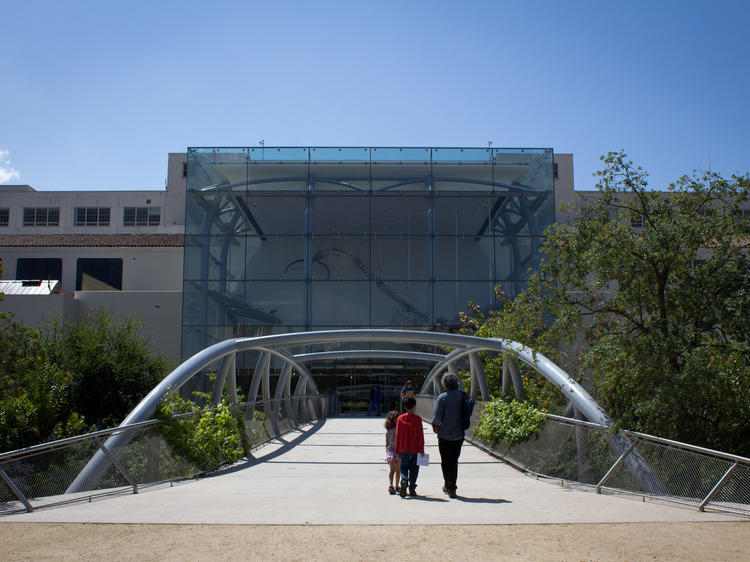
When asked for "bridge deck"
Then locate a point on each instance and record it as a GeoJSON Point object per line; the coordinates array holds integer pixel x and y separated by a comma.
{"type": "Point", "coordinates": [334, 473]}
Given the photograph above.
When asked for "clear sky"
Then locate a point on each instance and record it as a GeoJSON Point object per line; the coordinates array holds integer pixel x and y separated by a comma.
{"type": "Point", "coordinates": [94, 94]}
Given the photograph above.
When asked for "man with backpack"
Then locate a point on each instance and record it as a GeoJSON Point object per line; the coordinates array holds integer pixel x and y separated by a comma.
{"type": "Point", "coordinates": [448, 421]}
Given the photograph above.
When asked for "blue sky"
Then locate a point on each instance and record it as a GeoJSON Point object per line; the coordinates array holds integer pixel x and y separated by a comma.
{"type": "Point", "coordinates": [93, 95]}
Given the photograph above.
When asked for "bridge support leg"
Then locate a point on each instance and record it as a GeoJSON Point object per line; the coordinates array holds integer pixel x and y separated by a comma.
{"type": "Point", "coordinates": [506, 378]}
{"type": "Point", "coordinates": [515, 375]}
{"type": "Point", "coordinates": [478, 378]}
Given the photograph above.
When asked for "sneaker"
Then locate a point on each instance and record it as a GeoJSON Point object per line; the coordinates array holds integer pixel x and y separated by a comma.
{"type": "Point", "coordinates": [412, 491]}
{"type": "Point", "coordinates": [445, 489]}
{"type": "Point", "coordinates": [402, 491]}
{"type": "Point", "coordinates": [452, 492]}
{"type": "Point", "coordinates": [391, 490]}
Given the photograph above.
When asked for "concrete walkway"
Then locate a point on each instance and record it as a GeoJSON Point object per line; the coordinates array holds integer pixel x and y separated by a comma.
{"type": "Point", "coordinates": [334, 473]}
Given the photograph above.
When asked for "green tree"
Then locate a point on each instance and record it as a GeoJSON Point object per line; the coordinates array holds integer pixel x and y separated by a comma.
{"type": "Point", "coordinates": [653, 288]}
{"type": "Point", "coordinates": [112, 364]}
{"type": "Point", "coordinates": [35, 400]}
{"type": "Point", "coordinates": [60, 381]}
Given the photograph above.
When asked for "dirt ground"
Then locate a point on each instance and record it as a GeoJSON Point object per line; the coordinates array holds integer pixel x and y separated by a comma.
{"type": "Point", "coordinates": [602, 541]}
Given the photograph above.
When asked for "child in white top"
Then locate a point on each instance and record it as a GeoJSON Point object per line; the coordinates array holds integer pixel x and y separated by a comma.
{"type": "Point", "coordinates": [393, 460]}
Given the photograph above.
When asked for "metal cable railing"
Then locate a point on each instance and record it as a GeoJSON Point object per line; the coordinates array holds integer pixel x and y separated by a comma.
{"type": "Point", "coordinates": [38, 476]}
{"type": "Point", "coordinates": [676, 473]}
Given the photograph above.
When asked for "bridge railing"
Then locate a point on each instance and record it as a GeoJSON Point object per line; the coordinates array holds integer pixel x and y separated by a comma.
{"type": "Point", "coordinates": [38, 476]}
{"type": "Point", "coordinates": [572, 450]}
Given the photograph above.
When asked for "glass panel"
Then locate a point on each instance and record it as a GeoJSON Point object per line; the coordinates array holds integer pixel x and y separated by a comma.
{"type": "Point", "coordinates": [197, 211]}
{"type": "Point", "coordinates": [290, 155]}
{"type": "Point", "coordinates": [221, 214]}
{"type": "Point", "coordinates": [278, 169]}
{"type": "Point", "coordinates": [463, 258]}
{"type": "Point", "coordinates": [466, 215]}
{"type": "Point", "coordinates": [399, 215]}
{"type": "Point", "coordinates": [400, 305]}
{"type": "Point", "coordinates": [523, 167]}
{"type": "Point", "coordinates": [198, 170]}
{"type": "Point", "coordinates": [342, 155]}
{"type": "Point", "coordinates": [215, 257]}
{"type": "Point", "coordinates": [341, 257]}
{"type": "Point", "coordinates": [249, 302]}
{"type": "Point", "coordinates": [340, 303]}
{"type": "Point", "coordinates": [400, 169]}
{"type": "Point", "coordinates": [221, 168]}
{"type": "Point", "coordinates": [453, 297]}
{"type": "Point", "coordinates": [522, 213]}
{"type": "Point", "coordinates": [341, 215]}
{"type": "Point", "coordinates": [470, 156]}
{"type": "Point", "coordinates": [515, 255]}
{"type": "Point", "coordinates": [275, 257]}
{"type": "Point", "coordinates": [275, 215]}
{"type": "Point", "coordinates": [340, 169]}
{"type": "Point", "coordinates": [207, 302]}
{"type": "Point", "coordinates": [274, 303]}
{"type": "Point", "coordinates": [401, 257]}
{"type": "Point", "coordinates": [396, 155]}
{"type": "Point", "coordinates": [462, 170]}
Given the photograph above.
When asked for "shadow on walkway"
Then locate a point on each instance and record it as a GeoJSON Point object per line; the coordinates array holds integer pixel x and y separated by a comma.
{"type": "Point", "coordinates": [285, 448]}
{"type": "Point", "coordinates": [482, 500]}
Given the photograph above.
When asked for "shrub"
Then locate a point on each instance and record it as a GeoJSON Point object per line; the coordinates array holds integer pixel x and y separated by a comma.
{"type": "Point", "coordinates": [210, 438]}
{"type": "Point", "coordinates": [509, 422]}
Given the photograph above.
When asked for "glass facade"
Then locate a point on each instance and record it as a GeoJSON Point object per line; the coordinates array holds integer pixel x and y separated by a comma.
{"type": "Point", "coordinates": [291, 239]}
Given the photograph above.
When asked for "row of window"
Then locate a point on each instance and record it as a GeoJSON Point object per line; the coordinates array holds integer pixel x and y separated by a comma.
{"type": "Point", "coordinates": [85, 216]}
{"type": "Point", "coordinates": [92, 274]}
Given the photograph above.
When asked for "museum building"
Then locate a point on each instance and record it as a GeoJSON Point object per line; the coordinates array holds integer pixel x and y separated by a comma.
{"type": "Point", "coordinates": [264, 240]}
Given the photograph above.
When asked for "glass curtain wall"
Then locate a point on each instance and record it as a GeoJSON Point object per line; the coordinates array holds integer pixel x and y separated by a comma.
{"type": "Point", "coordinates": [291, 239]}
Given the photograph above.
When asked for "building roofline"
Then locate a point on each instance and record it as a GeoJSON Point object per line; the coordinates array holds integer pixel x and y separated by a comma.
{"type": "Point", "coordinates": [92, 240]}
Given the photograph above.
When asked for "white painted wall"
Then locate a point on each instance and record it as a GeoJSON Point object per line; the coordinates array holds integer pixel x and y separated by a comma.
{"type": "Point", "coordinates": [160, 311]}
{"type": "Point", "coordinates": [143, 269]}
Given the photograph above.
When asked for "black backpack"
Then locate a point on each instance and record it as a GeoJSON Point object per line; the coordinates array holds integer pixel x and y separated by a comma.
{"type": "Point", "coordinates": [467, 411]}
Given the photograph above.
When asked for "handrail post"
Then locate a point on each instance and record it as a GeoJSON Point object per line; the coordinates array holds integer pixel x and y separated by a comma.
{"type": "Point", "coordinates": [614, 466]}
{"type": "Point", "coordinates": [118, 466]}
{"type": "Point", "coordinates": [12, 485]}
{"type": "Point", "coordinates": [716, 488]}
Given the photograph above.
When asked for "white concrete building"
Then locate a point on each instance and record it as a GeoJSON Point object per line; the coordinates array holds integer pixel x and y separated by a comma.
{"type": "Point", "coordinates": [119, 250]}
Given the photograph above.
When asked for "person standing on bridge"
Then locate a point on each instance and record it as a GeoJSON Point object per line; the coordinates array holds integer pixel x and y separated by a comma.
{"type": "Point", "coordinates": [447, 422]}
{"type": "Point", "coordinates": [407, 391]}
{"type": "Point", "coordinates": [409, 442]}
{"type": "Point", "coordinates": [393, 460]}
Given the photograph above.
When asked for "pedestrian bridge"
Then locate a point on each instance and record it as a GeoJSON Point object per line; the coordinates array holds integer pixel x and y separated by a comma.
{"type": "Point", "coordinates": [332, 472]}
{"type": "Point", "coordinates": [323, 461]}
{"type": "Point", "coordinates": [330, 345]}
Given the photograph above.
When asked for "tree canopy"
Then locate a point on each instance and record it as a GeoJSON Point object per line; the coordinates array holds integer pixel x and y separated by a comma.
{"type": "Point", "coordinates": [62, 380]}
{"type": "Point", "coordinates": [648, 292]}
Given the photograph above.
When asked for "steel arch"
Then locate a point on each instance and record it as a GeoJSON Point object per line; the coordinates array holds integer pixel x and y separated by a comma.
{"type": "Point", "coordinates": [279, 345]}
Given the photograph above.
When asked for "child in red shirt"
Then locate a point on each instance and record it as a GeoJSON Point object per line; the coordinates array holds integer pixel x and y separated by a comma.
{"type": "Point", "coordinates": [409, 442]}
